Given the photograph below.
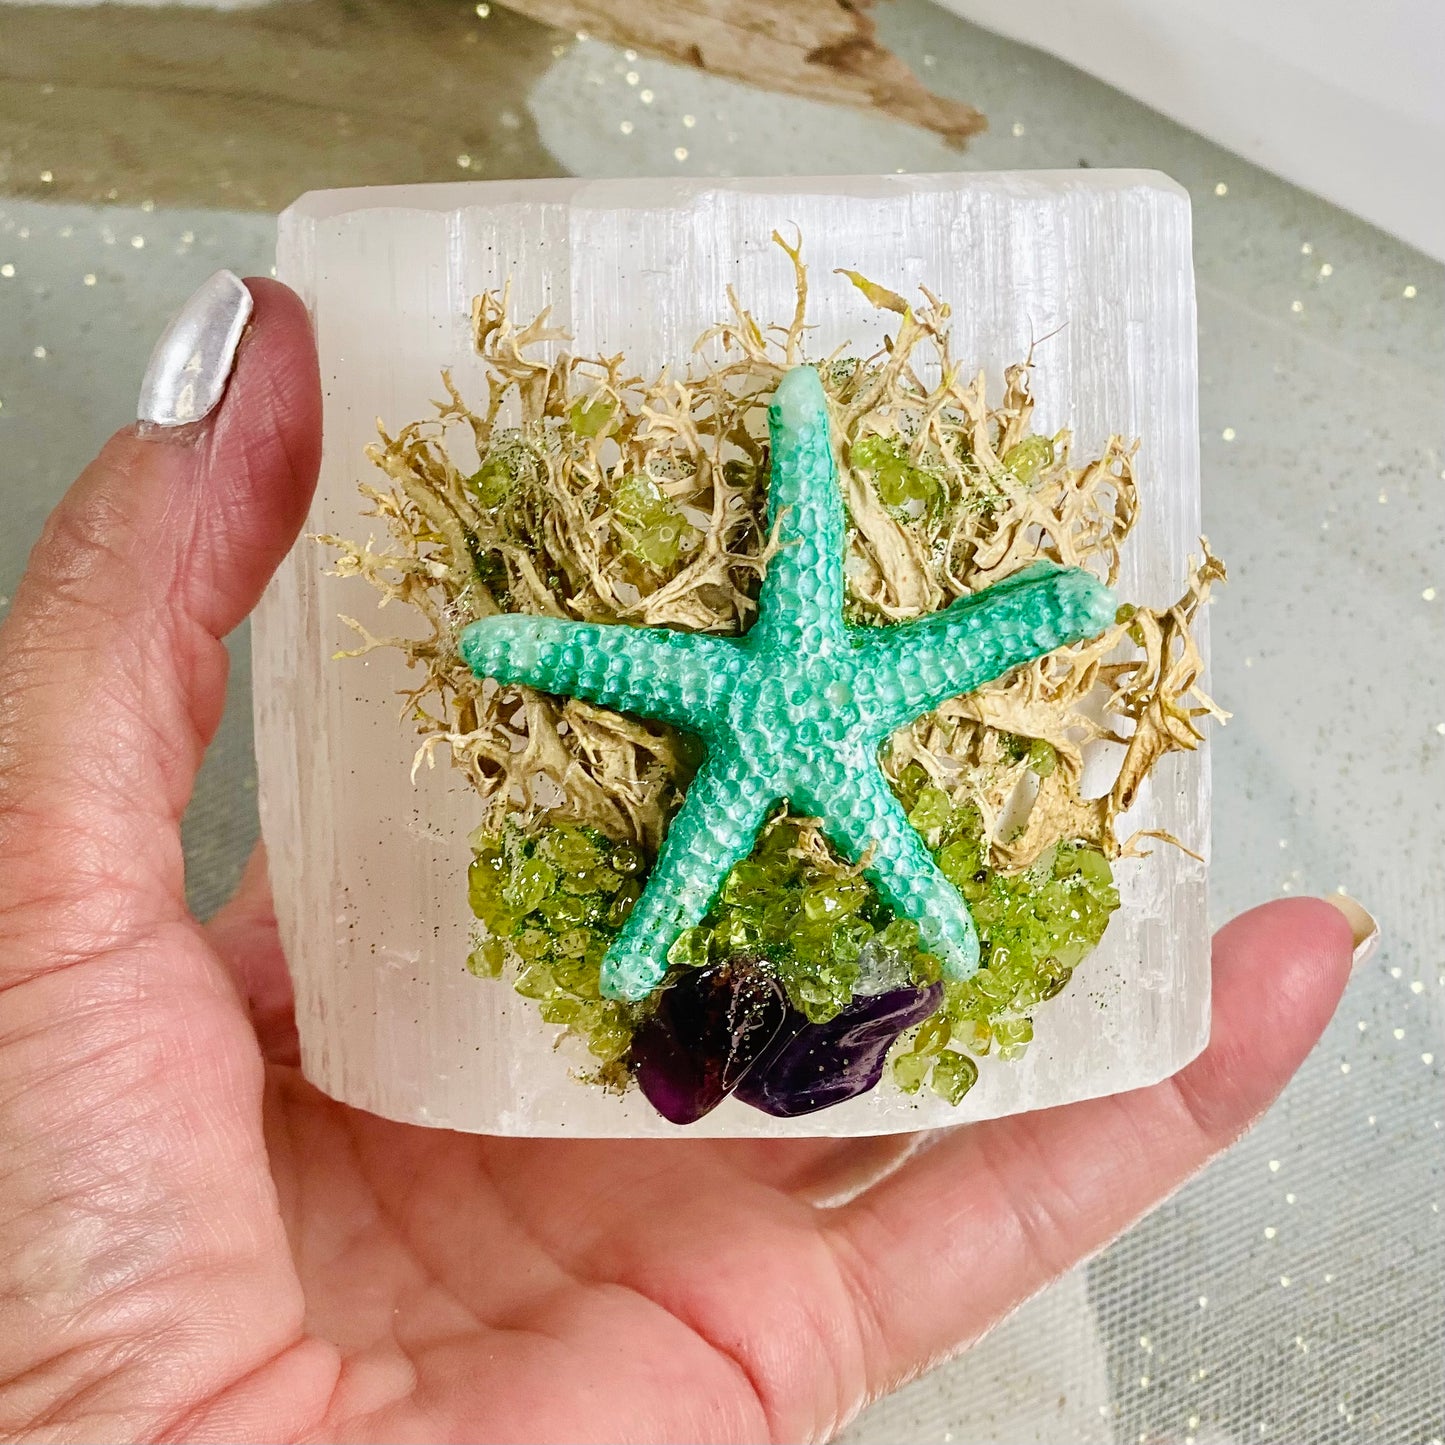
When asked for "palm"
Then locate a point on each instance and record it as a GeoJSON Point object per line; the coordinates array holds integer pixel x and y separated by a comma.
{"type": "Point", "coordinates": [196, 1244]}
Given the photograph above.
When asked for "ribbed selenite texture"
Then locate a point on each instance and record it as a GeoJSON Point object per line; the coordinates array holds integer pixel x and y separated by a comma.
{"type": "Point", "coordinates": [369, 869]}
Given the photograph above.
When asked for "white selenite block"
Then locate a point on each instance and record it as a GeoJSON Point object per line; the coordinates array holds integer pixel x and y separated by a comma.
{"type": "Point", "coordinates": [369, 868]}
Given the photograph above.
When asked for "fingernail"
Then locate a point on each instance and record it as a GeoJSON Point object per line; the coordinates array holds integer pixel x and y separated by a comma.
{"type": "Point", "coordinates": [192, 361]}
{"type": "Point", "coordinates": [1363, 928]}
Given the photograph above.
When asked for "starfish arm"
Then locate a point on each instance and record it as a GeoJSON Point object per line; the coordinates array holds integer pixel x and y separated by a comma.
{"type": "Point", "coordinates": [859, 813]}
{"type": "Point", "coordinates": [802, 594]}
{"type": "Point", "coordinates": [716, 827]}
{"type": "Point", "coordinates": [919, 664]}
{"type": "Point", "coordinates": [676, 677]}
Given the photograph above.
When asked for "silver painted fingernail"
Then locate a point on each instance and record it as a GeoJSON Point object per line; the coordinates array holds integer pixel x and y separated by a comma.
{"type": "Point", "coordinates": [191, 363]}
{"type": "Point", "coordinates": [1364, 931]}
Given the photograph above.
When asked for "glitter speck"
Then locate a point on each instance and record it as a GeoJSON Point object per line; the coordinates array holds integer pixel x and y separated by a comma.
{"type": "Point", "coordinates": [689, 121]}
{"type": "Point", "coordinates": [1344, 1068]}
{"type": "Point", "coordinates": [464, 161]}
{"type": "Point", "coordinates": [1018, 128]}
{"type": "Point", "coordinates": [679, 153]}
{"type": "Point", "coordinates": [1428, 594]}
{"type": "Point", "coordinates": [1228, 434]}
{"type": "Point", "coordinates": [1204, 1301]}
{"type": "Point", "coordinates": [1274, 1166]}
{"type": "Point", "coordinates": [1399, 1034]}
{"type": "Point", "coordinates": [483, 10]}
{"type": "Point", "coordinates": [187, 237]}
{"type": "Point", "coordinates": [39, 353]}
{"type": "Point", "coordinates": [1289, 1199]}
{"type": "Point", "coordinates": [1395, 971]}
{"type": "Point", "coordinates": [1383, 498]}
{"type": "Point", "coordinates": [8, 269]}
{"type": "Point", "coordinates": [1440, 728]}
{"type": "Point", "coordinates": [625, 127]}
{"type": "Point", "coordinates": [1143, 1382]}
{"type": "Point", "coordinates": [1427, 1059]}
{"type": "Point", "coordinates": [1306, 248]}
{"type": "Point", "coordinates": [89, 278]}
{"type": "Point", "coordinates": [1221, 189]}
{"type": "Point", "coordinates": [46, 177]}
{"type": "Point", "coordinates": [137, 242]}
{"type": "Point", "coordinates": [1327, 269]}
{"type": "Point", "coordinates": [1409, 293]}
{"type": "Point", "coordinates": [1296, 307]}
{"type": "Point", "coordinates": [645, 96]}
{"type": "Point", "coordinates": [1269, 1231]}
{"type": "Point", "coordinates": [1284, 1280]}
{"type": "Point", "coordinates": [1417, 987]}
{"type": "Point", "coordinates": [629, 55]}
{"type": "Point", "coordinates": [632, 77]}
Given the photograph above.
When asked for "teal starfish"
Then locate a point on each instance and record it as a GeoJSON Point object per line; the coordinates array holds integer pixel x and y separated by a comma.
{"type": "Point", "coordinates": [798, 707]}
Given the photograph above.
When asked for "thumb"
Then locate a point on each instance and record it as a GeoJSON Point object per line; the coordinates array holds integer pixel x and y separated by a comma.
{"type": "Point", "coordinates": [112, 673]}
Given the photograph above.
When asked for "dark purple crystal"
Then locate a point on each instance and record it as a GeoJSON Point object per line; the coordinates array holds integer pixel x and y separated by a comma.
{"type": "Point", "coordinates": [812, 1066]}
{"type": "Point", "coordinates": [708, 1030]}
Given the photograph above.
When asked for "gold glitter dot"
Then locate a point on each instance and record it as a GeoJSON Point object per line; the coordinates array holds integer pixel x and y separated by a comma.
{"type": "Point", "coordinates": [1289, 1199]}
{"type": "Point", "coordinates": [187, 237]}
{"type": "Point", "coordinates": [483, 10]}
{"type": "Point", "coordinates": [1306, 249]}
{"type": "Point", "coordinates": [1284, 1280]}
{"type": "Point", "coordinates": [46, 177]}
{"type": "Point", "coordinates": [1018, 128]}
{"type": "Point", "coordinates": [1228, 434]}
{"type": "Point", "coordinates": [8, 269]}
{"type": "Point", "coordinates": [1329, 1279]}
{"type": "Point", "coordinates": [1344, 1068]}
{"type": "Point", "coordinates": [1204, 1301]}
{"type": "Point", "coordinates": [1428, 594]}
{"type": "Point", "coordinates": [558, 51]}
{"type": "Point", "coordinates": [645, 96]}
{"type": "Point", "coordinates": [1144, 1344]}
{"type": "Point", "coordinates": [1296, 307]}
{"type": "Point", "coordinates": [1394, 971]}
{"type": "Point", "coordinates": [679, 153]}
{"type": "Point", "coordinates": [629, 55]}
{"type": "Point", "coordinates": [67, 232]}
{"type": "Point", "coordinates": [89, 278]}
{"type": "Point", "coordinates": [1269, 1231]}
{"type": "Point", "coordinates": [137, 242]}
{"type": "Point", "coordinates": [632, 77]}
{"type": "Point", "coordinates": [1409, 293]}
{"type": "Point", "coordinates": [1440, 728]}
{"type": "Point", "coordinates": [1221, 189]}
{"type": "Point", "coordinates": [689, 121]}
{"type": "Point", "coordinates": [1399, 1033]}
{"type": "Point", "coordinates": [39, 353]}
{"type": "Point", "coordinates": [1362, 1025]}
{"type": "Point", "coordinates": [1193, 1422]}
{"type": "Point", "coordinates": [1427, 1058]}
{"type": "Point", "coordinates": [625, 127]}
{"type": "Point", "coordinates": [1274, 1166]}
{"type": "Point", "coordinates": [464, 161]}
{"type": "Point", "coordinates": [147, 205]}
{"type": "Point", "coordinates": [1143, 1382]}
{"type": "Point", "coordinates": [1417, 987]}
{"type": "Point", "coordinates": [1327, 269]}
{"type": "Point", "coordinates": [1383, 498]}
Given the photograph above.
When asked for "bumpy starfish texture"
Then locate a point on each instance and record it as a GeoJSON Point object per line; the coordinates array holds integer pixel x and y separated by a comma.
{"type": "Point", "coordinates": [797, 708]}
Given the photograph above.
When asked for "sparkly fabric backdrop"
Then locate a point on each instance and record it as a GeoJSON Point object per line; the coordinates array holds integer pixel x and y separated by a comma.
{"type": "Point", "coordinates": [1293, 1292]}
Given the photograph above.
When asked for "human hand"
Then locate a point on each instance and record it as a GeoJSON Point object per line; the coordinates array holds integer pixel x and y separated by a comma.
{"type": "Point", "coordinates": [195, 1244]}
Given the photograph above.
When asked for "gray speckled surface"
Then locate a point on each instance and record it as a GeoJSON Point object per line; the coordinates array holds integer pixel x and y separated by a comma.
{"type": "Point", "coordinates": [1291, 1293]}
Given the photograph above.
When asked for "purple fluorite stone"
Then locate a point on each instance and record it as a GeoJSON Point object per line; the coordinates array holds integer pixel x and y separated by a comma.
{"type": "Point", "coordinates": [812, 1066]}
{"type": "Point", "coordinates": [708, 1031]}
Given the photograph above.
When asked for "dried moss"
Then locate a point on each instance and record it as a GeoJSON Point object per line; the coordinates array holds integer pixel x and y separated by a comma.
{"type": "Point", "coordinates": [606, 496]}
